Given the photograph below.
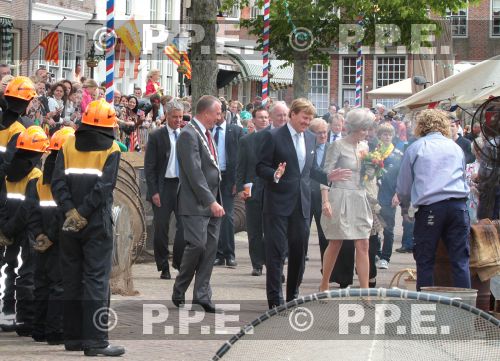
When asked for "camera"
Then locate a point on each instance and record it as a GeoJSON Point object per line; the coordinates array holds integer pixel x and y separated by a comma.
{"type": "Point", "coordinates": [52, 75]}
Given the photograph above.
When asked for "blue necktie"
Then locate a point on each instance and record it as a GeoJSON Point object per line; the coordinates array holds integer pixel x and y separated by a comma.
{"type": "Point", "coordinates": [216, 136]}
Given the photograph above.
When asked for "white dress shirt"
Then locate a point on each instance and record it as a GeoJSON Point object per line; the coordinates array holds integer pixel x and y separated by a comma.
{"type": "Point", "coordinates": [172, 160]}
{"type": "Point", "coordinates": [337, 137]}
{"type": "Point", "coordinates": [221, 144]}
{"type": "Point", "coordinates": [300, 145]}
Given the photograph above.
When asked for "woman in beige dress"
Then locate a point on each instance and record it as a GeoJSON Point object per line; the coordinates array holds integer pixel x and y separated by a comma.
{"type": "Point", "coordinates": [346, 210]}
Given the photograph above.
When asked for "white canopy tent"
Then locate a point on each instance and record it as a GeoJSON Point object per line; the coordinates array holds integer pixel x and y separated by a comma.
{"type": "Point", "coordinates": [400, 89]}
{"type": "Point", "coordinates": [467, 84]}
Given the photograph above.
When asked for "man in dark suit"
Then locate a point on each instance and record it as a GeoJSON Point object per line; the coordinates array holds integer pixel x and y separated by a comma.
{"type": "Point", "coordinates": [245, 175]}
{"type": "Point", "coordinates": [162, 178]}
{"type": "Point", "coordinates": [335, 132]}
{"type": "Point", "coordinates": [320, 128]}
{"type": "Point", "coordinates": [287, 197]}
{"type": "Point", "coordinates": [227, 139]}
{"type": "Point", "coordinates": [200, 205]}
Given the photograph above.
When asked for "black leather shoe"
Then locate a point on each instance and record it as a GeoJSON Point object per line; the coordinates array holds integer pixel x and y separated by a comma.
{"type": "Point", "coordinates": [209, 307]}
{"type": "Point", "coordinates": [8, 327]}
{"type": "Point", "coordinates": [165, 274]}
{"type": "Point", "coordinates": [219, 262]}
{"type": "Point", "coordinates": [231, 263]}
{"type": "Point", "coordinates": [257, 272]}
{"type": "Point", "coordinates": [178, 299]}
{"type": "Point", "coordinates": [105, 351]}
{"type": "Point", "coordinates": [404, 250]}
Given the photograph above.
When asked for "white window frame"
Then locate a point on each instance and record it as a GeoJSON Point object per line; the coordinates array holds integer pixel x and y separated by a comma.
{"type": "Point", "coordinates": [254, 9]}
{"type": "Point", "coordinates": [153, 10]}
{"type": "Point", "coordinates": [375, 70]}
{"type": "Point", "coordinates": [347, 86]}
{"type": "Point", "coordinates": [452, 15]}
{"type": "Point", "coordinates": [16, 51]}
{"type": "Point", "coordinates": [493, 17]}
{"type": "Point", "coordinates": [128, 7]}
{"type": "Point", "coordinates": [169, 77]}
{"type": "Point", "coordinates": [234, 13]}
{"type": "Point", "coordinates": [323, 107]}
{"type": "Point", "coordinates": [60, 70]}
{"type": "Point", "coordinates": [168, 13]}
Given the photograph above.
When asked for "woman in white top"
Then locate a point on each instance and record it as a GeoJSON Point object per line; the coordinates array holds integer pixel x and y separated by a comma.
{"type": "Point", "coordinates": [56, 103]}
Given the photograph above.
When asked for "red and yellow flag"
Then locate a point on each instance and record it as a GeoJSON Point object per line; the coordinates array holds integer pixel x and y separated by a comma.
{"type": "Point", "coordinates": [175, 55]}
{"type": "Point", "coordinates": [51, 45]}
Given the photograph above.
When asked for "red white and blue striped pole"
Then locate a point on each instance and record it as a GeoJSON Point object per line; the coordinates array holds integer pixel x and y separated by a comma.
{"type": "Point", "coordinates": [110, 52]}
{"type": "Point", "coordinates": [265, 52]}
{"type": "Point", "coordinates": [359, 71]}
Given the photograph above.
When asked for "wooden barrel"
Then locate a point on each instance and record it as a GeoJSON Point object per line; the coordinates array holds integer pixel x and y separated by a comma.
{"type": "Point", "coordinates": [443, 277]}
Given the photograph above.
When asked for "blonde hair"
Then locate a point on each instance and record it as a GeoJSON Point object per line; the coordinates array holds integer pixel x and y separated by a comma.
{"type": "Point", "coordinates": [90, 83]}
{"type": "Point", "coordinates": [302, 104]}
{"type": "Point", "coordinates": [385, 128]}
{"type": "Point", "coordinates": [151, 72]}
{"type": "Point", "coordinates": [432, 120]}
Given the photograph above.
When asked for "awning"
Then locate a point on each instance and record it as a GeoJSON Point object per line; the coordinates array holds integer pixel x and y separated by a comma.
{"type": "Point", "coordinates": [6, 26]}
{"type": "Point", "coordinates": [281, 75]}
{"type": "Point", "coordinates": [467, 83]}
{"type": "Point", "coordinates": [228, 70]}
{"type": "Point", "coordinates": [482, 96]}
{"type": "Point", "coordinates": [400, 89]}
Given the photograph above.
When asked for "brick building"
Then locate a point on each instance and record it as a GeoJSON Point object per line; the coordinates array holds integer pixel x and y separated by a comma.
{"type": "Point", "coordinates": [14, 33]}
{"type": "Point", "coordinates": [475, 34]}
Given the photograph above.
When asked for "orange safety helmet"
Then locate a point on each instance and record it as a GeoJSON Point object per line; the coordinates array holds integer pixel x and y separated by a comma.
{"type": "Point", "coordinates": [99, 113]}
{"type": "Point", "coordinates": [21, 87]}
{"type": "Point", "coordinates": [33, 139]}
{"type": "Point", "coordinates": [58, 138]}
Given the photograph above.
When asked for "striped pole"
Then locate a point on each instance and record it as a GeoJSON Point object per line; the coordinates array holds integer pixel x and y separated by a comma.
{"type": "Point", "coordinates": [359, 71]}
{"type": "Point", "coordinates": [265, 52]}
{"type": "Point", "coordinates": [110, 53]}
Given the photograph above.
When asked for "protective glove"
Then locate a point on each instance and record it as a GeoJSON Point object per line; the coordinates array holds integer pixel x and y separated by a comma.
{"type": "Point", "coordinates": [42, 243]}
{"type": "Point", "coordinates": [74, 221]}
{"type": "Point", "coordinates": [4, 241]}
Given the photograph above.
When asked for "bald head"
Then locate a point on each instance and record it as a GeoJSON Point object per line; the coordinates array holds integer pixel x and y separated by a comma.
{"type": "Point", "coordinates": [279, 114]}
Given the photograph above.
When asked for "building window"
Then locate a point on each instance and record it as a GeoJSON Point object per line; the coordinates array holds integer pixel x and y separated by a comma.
{"type": "Point", "coordinates": [390, 69]}
{"type": "Point", "coordinates": [458, 22]}
{"type": "Point", "coordinates": [168, 13]}
{"type": "Point", "coordinates": [255, 10]}
{"type": "Point", "coordinates": [128, 7]}
{"type": "Point", "coordinates": [319, 93]}
{"type": "Point", "coordinates": [495, 11]}
{"type": "Point", "coordinates": [70, 53]}
{"type": "Point", "coordinates": [348, 80]}
{"type": "Point", "coordinates": [153, 9]}
{"type": "Point", "coordinates": [388, 103]}
{"type": "Point", "coordinates": [169, 77]}
{"type": "Point", "coordinates": [234, 12]}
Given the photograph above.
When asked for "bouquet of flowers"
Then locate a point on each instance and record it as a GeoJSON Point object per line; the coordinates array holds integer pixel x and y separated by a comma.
{"type": "Point", "coordinates": [373, 162]}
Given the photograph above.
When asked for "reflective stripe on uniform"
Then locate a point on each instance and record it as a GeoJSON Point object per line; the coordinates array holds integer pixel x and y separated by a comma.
{"type": "Point", "coordinates": [16, 196]}
{"type": "Point", "coordinates": [3, 149]}
{"type": "Point", "coordinates": [48, 204]}
{"type": "Point", "coordinates": [91, 171]}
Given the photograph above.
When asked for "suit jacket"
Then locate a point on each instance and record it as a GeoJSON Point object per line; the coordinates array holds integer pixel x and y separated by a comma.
{"type": "Point", "coordinates": [199, 178]}
{"type": "Point", "coordinates": [315, 186]}
{"type": "Point", "coordinates": [247, 161]}
{"type": "Point", "coordinates": [232, 142]}
{"type": "Point", "coordinates": [281, 198]}
{"type": "Point", "coordinates": [156, 160]}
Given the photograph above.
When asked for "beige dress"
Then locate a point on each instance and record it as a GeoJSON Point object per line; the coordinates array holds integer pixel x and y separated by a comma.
{"type": "Point", "coordinates": [352, 216]}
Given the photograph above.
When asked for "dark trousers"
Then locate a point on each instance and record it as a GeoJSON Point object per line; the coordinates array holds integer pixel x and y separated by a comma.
{"type": "Point", "coordinates": [168, 198]}
{"type": "Point", "coordinates": [316, 214]}
{"type": "Point", "coordinates": [86, 267]}
{"type": "Point", "coordinates": [282, 233]}
{"type": "Point", "coordinates": [225, 248]}
{"type": "Point", "coordinates": [20, 284]}
{"type": "Point", "coordinates": [48, 296]}
{"type": "Point", "coordinates": [388, 215]}
{"type": "Point", "coordinates": [407, 239]}
{"type": "Point", "coordinates": [447, 220]}
{"type": "Point", "coordinates": [9, 290]}
{"type": "Point", "coordinates": [256, 245]}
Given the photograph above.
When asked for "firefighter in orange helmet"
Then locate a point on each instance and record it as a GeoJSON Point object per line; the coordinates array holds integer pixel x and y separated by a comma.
{"type": "Point", "coordinates": [16, 213]}
{"type": "Point", "coordinates": [46, 224]}
{"type": "Point", "coordinates": [82, 185]}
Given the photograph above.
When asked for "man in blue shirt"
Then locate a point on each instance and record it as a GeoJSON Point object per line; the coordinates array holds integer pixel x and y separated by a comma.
{"type": "Point", "coordinates": [432, 178]}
